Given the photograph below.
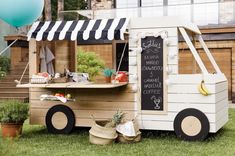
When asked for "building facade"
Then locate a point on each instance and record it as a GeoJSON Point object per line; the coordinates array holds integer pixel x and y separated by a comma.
{"type": "Point", "coordinates": [215, 18]}
{"type": "Point", "coordinates": [5, 30]}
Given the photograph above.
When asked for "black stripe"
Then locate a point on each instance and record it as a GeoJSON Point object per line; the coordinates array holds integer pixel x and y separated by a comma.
{"type": "Point", "coordinates": [57, 32]}
{"type": "Point", "coordinates": [117, 29]}
{"type": "Point", "coordinates": [104, 35]}
{"type": "Point", "coordinates": [46, 32]}
{"type": "Point", "coordinates": [93, 30]}
{"type": "Point", "coordinates": [71, 28]}
{"type": "Point", "coordinates": [83, 28]}
{"type": "Point", "coordinates": [34, 34]}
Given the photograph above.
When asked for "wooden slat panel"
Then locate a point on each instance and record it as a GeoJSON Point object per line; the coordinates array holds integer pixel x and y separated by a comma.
{"type": "Point", "coordinates": [84, 105]}
{"type": "Point", "coordinates": [171, 116]}
{"type": "Point", "coordinates": [193, 88]}
{"type": "Point", "coordinates": [82, 122]}
{"type": "Point", "coordinates": [163, 125]}
{"type": "Point", "coordinates": [91, 96]}
{"type": "Point", "coordinates": [62, 56]}
{"type": "Point", "coordinates": [197, 98]}
{"type": "Point", "coordinates": [102, 114]}
{"type": "Point", "coordinates": [207, 108]}
{"type": "Point", "coordinates": [196, 78]}
{"type": "Point", "coordinates": [220, 123]}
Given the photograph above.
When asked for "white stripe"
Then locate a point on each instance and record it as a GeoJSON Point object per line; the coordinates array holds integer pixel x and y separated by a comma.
{"type": "Point", "coordinates": [75, 31]}
{"type": "Point", "coordinates": [112, 28]}
{"type": "Point", "coordinates": [32, 29]}
{"type": "Point", "coordinates": [86, 33]}
{"type": "Point", "coordinates": [53, 30]}
{"type": "Point", "coordinates": [43, 29]}
{"type": "Point", "coordinates": [123, 29]}
{"type": "Point", "coordinates": [64, 30]}
{"type": "Point", "coordinates": [98, 32]}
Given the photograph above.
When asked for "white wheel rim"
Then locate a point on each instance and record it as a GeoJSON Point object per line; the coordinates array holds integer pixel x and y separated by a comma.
{"type": "Point", "coordinates": [59, 120]}
{"type": "Point", "coordinates": [191, 126]}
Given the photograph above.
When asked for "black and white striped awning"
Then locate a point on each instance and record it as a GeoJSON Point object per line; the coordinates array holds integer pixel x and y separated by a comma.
{"type": "Point", "coordinates": [105, 29]}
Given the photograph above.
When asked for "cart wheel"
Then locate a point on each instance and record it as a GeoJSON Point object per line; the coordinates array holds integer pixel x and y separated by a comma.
{"type": "Point", "coordinates": [191, 125]}
{"type": "Point", "coordinates": [60, 120]}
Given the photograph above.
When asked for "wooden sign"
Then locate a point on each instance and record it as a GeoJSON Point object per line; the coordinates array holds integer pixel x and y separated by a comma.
{"type": "Point", "coordinates": [152, 74]}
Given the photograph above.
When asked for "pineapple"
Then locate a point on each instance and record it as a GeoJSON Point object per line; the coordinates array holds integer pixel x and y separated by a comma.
{"type": "Point", "coordinates": [117, 119]}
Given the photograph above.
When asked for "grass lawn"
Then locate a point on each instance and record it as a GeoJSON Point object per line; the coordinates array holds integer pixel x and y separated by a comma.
{"type": "Point", "coordinates": [37, 142]}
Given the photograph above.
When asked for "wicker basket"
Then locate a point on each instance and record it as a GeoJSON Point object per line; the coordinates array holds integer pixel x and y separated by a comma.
{"type": "Point", "coordinates": [101, 135]}
{"type": "Point", "coordinates": [126, 139]}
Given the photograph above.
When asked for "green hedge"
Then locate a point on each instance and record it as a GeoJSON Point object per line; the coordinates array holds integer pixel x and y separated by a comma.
{"type": "Point", "coordinates": [5, 63]}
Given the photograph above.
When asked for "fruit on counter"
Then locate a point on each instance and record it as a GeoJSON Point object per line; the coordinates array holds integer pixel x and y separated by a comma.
{"type": "Point", "coordinates": [44, 74]}
{"type": "Point", "coordinates": [202, 89]}
{"type": "Point", "coordinates": [59, 94]}
{"type": "Point", "coordinates": [68, 96]}
{"type": "Point", "coordinates": [121, 77]}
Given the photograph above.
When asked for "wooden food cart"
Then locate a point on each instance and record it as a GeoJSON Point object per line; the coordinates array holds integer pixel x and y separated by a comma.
{"type": "Point", "coordinates": [156, 94]}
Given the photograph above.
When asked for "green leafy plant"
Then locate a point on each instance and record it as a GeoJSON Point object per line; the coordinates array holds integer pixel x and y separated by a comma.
{"type": "Point", "coordinates": [5, 63]}
{"type": "Point", "coordinates": [13, 111]}
{"type": "Point", "coordinates": [108, 72]}
{"type": "Point", "coordinates": [89, 62]}
{"type": "Point", "coordinates": [117, 119]}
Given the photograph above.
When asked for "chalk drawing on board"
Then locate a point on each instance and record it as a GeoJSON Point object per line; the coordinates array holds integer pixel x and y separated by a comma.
{"type": "Point", "coordinates": [156, 101]}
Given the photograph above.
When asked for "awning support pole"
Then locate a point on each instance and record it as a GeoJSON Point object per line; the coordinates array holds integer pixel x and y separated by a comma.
{"type": "Point", "coordinates": [193, 50]}
{"type": "Point", "coordinates": [209, 55]}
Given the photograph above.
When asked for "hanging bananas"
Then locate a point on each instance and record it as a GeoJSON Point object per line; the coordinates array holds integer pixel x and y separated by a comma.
{"type": "Point", "coordinates": [202, 89]}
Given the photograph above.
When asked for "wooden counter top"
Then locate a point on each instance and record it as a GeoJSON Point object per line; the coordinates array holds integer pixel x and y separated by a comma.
{"type": "Point", "coordinates": [72, 85]}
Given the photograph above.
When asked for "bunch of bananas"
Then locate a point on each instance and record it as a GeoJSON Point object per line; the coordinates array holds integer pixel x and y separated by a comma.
{"type": "Point", "coordinates": [202, 89]}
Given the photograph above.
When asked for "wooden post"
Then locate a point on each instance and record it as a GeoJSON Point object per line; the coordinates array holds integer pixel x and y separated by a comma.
{"type": "Point", "coordinates": [32, 57]}
{"type": "Point", "coordinates": [73, 57]}
{"type": "Point", "coordinates": [47, 10]}
{"type": "Point", "coordinates": [60, 7]}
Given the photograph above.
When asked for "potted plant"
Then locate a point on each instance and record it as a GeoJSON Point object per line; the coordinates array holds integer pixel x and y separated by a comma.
{"type": "Point", "coordinates": [12, 116]}
{"type": "Point", "coordinates": [108, 74]}
{"type": "Point", "coordinates": [89, 62]}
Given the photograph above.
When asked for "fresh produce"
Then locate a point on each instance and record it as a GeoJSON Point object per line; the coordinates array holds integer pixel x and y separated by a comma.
{"type": "Point", "coordinates": [121, 77]}
{"type": "Point", "coordinates": [69, 96]}
{"type": "Point", "coordinates": [117, 119]}
{"type": "Point", "coordinates": [202, 89]}
{"type": "Point", "coordinates": [44, 74]}
{"type": "Point", "coordinates": [59, 95]}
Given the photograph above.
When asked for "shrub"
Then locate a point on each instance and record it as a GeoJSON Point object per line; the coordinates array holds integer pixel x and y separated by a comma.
{"type": "Point", "coordinates": [13, 111]}
{"type": "Point", "coordinates": [89, 62]}
{"type": "Point", "coordinates": [5, 63]}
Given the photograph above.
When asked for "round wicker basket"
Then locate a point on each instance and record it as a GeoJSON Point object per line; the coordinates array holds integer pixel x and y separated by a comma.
{"type": "Point", "coordinates": [126, 139]}
{"type": "Point", "coordinates": [102, 135]}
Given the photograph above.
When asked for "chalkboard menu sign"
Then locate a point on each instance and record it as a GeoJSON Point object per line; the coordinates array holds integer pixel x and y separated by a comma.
{"type": "Point", "coordinates": [152, 74]}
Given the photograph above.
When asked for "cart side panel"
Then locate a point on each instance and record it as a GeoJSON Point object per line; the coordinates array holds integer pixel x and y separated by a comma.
{"type": "Point", "coordinates": [183, 94]}
{"type": "Point", "coordinates": [101, 103]}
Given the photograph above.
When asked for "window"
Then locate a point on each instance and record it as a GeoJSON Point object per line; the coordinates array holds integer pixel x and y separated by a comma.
{"type": "Point", "coordinates": [178, 2]}
{"type": "Point", "coordinates": [146, 3]}
{"type": "Point", "coordinates": [126, 3]}
{"type": "Point", "coordinates": [205, 1]}
{"type": "Point", "coordinates": [120, 48]}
